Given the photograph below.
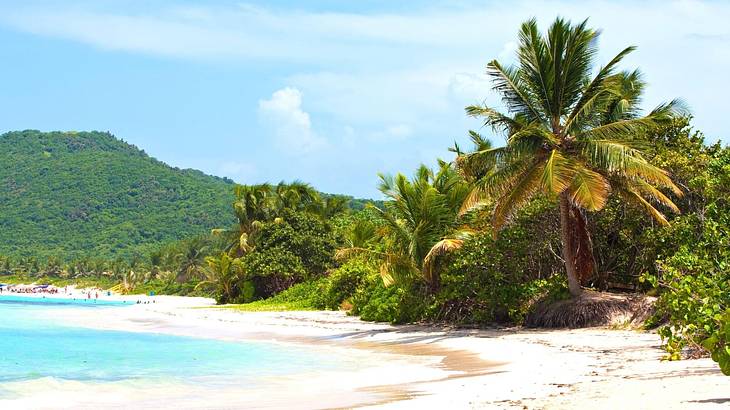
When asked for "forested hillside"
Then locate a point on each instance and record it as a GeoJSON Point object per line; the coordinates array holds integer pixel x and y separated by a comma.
{"type": "Point", "coordinates": [69, 194]}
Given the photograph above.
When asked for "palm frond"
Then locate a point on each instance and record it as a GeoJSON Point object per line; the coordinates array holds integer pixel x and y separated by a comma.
{"type": "Point", "coordinates": [635, 197]}
{"type": "Point", "coordinates": [597, 86]}
{"type": "Point", "coordinates": [646, 189]}
{"type": "Point", "coordinates": [493, 118]}
{"type": "Point", "coordinates": [589, 189]}
{"type": "Point", "coordinates": [522, 191]}
{"type": "Point", "coordinates": [439, 249]}
{"type": "Point", "coordinates": [507, 82]}
{"type": "Point", "coordinates": [629, 128]}
{"type": "Point", "coordinates": [557, 173]}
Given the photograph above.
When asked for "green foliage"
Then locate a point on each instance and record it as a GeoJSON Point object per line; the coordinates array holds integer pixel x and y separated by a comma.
{"type": "Point", "coordinates": [398, 303]}
{"type": "Point", "coordinates": [301, 296]}
{"type": "Point", "coordinates": [342, 283]}
{"type": "Point", "coordinates": [496, 280]}
{"type": "Point", "coordinates": [693, 270]}
{"type": "Point", "coordinates": [419, 223]}
{"type": "Point", "coordinates": [294, 247]}
{"type": "Point", "coordinates": [223, 276]}
{"type": "Point", "coordinates": [87, 194]}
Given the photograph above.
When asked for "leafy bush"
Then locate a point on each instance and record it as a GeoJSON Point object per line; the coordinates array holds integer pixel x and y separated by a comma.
{"type": "Point", "coordinates": [495, 280]}
{"type": "Point", "coordinates": [342, 283]}
{"type": "Point", "coordinates": [693, 271]}
{"type": "Point", "coordinates": [399, 303]}
{"type": "Point", "coordinates": [302, 296]}
{"type": "Point", "coordinates": [696, 291]}
{"type": "Point", "coordinates": [295, 247]}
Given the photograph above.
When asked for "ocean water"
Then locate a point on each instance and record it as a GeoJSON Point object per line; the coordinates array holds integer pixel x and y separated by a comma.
{"type": "Point", "coordinates": [35, 347]}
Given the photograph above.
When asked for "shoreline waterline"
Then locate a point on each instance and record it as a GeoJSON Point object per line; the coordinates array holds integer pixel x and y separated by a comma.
{"type": "Point", "coordinates": [428, 366]}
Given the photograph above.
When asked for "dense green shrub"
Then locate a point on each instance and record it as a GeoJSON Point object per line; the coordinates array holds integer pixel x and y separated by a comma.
{"type": "Point", "coordinates": [301, 296]}
{"type": "Point", "coordinates": [696, 292]}
{"type": "Point", "coordinates": [398, 303]}
{"type": "Point", "coordinates": [693, 271]}
{"type": "Point", "coordinates": [495, 279]}
{"type": "Point", "coordinates": [295, 247]}
{"type": "Point", "coordinates": [342, 283]}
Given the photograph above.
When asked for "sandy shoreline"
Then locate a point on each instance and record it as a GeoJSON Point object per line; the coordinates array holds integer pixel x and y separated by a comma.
{"type": "Point", "coordinates": [429, 367]}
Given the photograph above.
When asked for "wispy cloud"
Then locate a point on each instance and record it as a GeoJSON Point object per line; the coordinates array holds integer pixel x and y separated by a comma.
{"type": "Point", "coordinates": [393, 75]}
{"type": "Point", "coordinates": [246, 31]}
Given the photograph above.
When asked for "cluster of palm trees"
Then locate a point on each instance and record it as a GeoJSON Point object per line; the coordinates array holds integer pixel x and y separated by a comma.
{"type": "Point", "coordinates": [56, 267]}
{"type": "Point", "coordinates": [255, 205]}
{"type": "Point", "coordinates": [574, 134]}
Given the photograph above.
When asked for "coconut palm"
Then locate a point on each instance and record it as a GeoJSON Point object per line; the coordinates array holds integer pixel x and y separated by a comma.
{"type": "Point", "coordinates": [570, 136]}
{"type": "Point", "coordinates": [222, 276]}
{"type": "Point", "coordinates": [361, 233]}
{"type": "Point", "coordinates": [329, 206]}
{"type": "Point", "coordinates": [191, 258]}
{"type": "Point", "coordinates": [252, 206]}
{"type": "Point", "coordinates": [256, 204]}
{"type": "Point", "coordinates": [418, 224]}
{"type": "Point", "coordinates": [297, 196]}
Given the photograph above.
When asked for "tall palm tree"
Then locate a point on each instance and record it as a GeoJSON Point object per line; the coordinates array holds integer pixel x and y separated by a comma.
{"type": "Point", "coordinates": [570, 136]}
{"type": "Point", "coordinates": [419, 223]}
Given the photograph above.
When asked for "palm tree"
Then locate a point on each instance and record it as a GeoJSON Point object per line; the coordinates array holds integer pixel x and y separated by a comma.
{"type": "Point", "coordinates": [329, 206]}
{"type": "Point", "coordinates": [190, 259]}
{"type": "Point", "coordinates": [296, 196]}
{"type": "Point", "coordinates": [222, 275]}
{"type": "Point", "coordinates": [360, 233]}
{"type": "Point", "coordinates": [253, 205]}
{"type": "Point", "coordinates": [256, 204]}
{"type": "Point", "coordinates": [419, 223]}
{"type": "Point", "coordinates": [570, 136]}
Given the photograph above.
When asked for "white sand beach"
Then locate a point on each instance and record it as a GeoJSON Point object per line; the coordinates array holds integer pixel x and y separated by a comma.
{"type": "Point", "coordinates": [412, 366]}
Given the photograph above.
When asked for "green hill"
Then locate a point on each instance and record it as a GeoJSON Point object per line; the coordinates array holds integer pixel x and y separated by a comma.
{"type": "Point", "coordinates": [69, 194]}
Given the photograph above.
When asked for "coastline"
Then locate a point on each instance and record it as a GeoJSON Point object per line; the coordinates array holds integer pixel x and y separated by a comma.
{"type": "Point", "coordinates": [437, 366]}
{"type": "Point", "coordinates": [411, 366]}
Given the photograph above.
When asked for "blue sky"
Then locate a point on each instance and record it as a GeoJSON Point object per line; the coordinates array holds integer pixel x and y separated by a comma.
{"type": "Point", "coordinates": [328, 92]}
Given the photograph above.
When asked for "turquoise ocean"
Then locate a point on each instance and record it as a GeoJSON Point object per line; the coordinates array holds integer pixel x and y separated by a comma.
{"type": "Point", "coordinates": [32, 346]}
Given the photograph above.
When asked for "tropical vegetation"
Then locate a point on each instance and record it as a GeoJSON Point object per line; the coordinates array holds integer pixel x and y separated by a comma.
{"type": "Point", "coordinates": [589, 194]}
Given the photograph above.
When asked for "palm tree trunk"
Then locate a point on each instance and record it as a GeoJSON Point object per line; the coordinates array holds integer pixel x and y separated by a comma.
{"type": "Point", "coordinates": [577, 245]}
{"type": "Point", "coordinates": [585, 262]}
{"type": "Point", "coordinates": [567, 237]}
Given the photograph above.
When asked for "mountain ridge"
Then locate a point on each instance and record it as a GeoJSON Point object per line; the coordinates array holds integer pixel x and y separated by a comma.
{"type": "Point", "coordinates": [80, 194]}
{"type": "Point", "coordinates": [91, 194]}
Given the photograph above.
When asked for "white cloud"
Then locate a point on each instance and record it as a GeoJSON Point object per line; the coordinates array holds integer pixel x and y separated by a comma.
{"type": "Point", "coordinates": [291, 125]}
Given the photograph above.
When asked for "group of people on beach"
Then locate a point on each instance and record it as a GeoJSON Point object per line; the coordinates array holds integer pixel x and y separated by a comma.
{"type": "Point", "coordinates": [28, 289]}
{"type": "Point", "coordinates": [48, 290]}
